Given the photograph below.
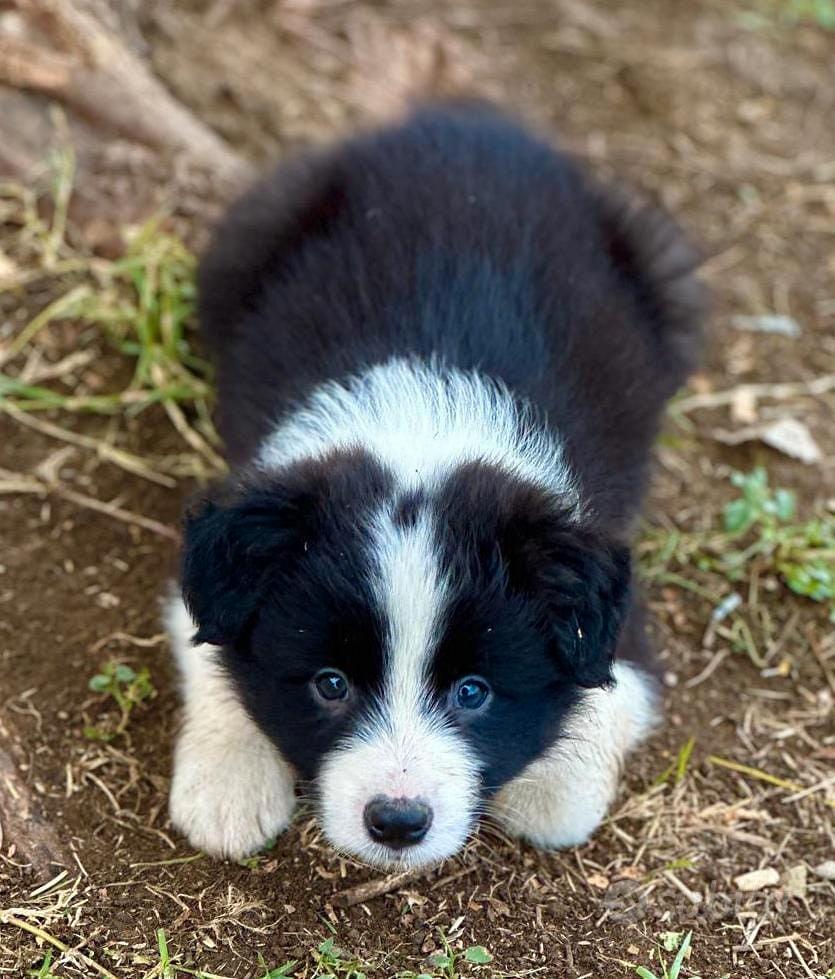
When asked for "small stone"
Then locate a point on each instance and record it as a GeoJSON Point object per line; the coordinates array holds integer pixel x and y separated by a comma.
{"type": "Point", "coordinates": [756, 880]}
{"type": "Point", "coordinates": [826, 870]}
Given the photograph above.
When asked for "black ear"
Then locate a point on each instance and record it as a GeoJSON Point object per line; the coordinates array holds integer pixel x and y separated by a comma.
{"type": "Point", "coordinates": [657, 264]}
{"type": "Point", "coordinates": [229, 550]}
{"type": "Point", "coordinates": [580, 581]}
{"type": "Point", "coordinates": [586, 587]}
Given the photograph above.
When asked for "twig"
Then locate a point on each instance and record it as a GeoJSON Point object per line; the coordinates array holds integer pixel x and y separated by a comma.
{"type": "Point", "coordinates": [95, 72]}
{"type": "Point", "coordinates": [692, 896]}
{"type": "Point", "coordinates": [374, 888]}
{"type": "Point", "coordinates": [694, 681]}
{"type": "Point", "coordinates": [760, 775]}
{"type": "Point", "coordinates": [16, 483]}
{"type": "Point", "coordinates": [125, 460]}
{"type": "Point", "coordinates": [10, 919]}
{"type": "Point", "coordinates": [781, 391]}
{"type": "Point", "coordinates": [117, 513]}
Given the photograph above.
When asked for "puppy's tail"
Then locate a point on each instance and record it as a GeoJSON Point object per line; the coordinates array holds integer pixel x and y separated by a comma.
{"type": "Point", "coordinates": [659, 265]}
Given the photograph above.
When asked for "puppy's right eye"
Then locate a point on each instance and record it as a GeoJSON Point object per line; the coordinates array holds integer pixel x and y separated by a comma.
{"type": "Point", "coordinates": [331, 685]}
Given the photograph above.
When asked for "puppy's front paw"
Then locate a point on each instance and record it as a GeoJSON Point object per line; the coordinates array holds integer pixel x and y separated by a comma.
{"type": "Point", "coordinates": [230, 796]}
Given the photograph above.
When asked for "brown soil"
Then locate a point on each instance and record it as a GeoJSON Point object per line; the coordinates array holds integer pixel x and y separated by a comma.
{"type": "Point", "coordinates": [729, 121]}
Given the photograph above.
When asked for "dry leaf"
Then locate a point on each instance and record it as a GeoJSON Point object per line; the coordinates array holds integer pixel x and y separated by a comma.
{"type": "Point", "coordinates": [600, 881]}
{"type": "Point", "coordinates": [786, 435]}
{"type": "Point", "coordinates": [794, 881]}
{"type": "Point", "coordinates": [756, 880]}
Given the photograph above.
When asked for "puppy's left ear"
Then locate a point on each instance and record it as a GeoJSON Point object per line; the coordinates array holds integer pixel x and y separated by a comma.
{"type": "Point", "coordinates": [229, 551]}
{"type": "Point", "coordinates": [587, 589]}
{"type": "Point", "coordinates": [580, 579]}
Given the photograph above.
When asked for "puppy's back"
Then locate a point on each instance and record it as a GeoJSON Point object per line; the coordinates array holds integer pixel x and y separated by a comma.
{"type": "Point", "coordinates": [455, 235]}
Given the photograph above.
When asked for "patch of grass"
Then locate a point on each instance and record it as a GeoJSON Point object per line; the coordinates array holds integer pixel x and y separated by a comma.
{"type": "Point", "coordinates": [759, 526]}
{"type": "Point", "coordinates": [128, 687]}
{"type": "Point", "coordinates": [333, 962]}
{"type": "Point", "coordinates": [140, 306]}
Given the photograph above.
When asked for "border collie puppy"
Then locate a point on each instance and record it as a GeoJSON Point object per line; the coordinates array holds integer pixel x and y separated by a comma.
{"type": "Point", "coordinates": [442, 352]}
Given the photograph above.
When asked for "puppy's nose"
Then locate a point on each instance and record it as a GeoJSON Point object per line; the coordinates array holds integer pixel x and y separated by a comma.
{"type": "Point", "coordinates": [397, 822]}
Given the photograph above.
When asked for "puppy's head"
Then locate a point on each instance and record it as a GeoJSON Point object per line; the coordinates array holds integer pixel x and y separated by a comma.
{"type": "Point", "coordinates": [407, 651]}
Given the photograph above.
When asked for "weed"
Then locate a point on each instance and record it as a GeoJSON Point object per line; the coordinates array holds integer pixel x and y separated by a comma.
{"type": "Point", "coordinates": [678, 769]}
{"type": "Point", "coordinates": [758, 525]}
{"type": "Point", "coordinates": [44, 970]}
{"type": "Point", "coordinates": [671, 941]}
{"type": "Point", "coordinates": [280, 972]}
{"type": "Point", "coordinates": [803, 554]}
{"type": "Point", "coordinates": [333, 963]}
{"type": "Point", "coordinates": [446, 964]}
{"type": "Point", "coordinates": [127, 687]}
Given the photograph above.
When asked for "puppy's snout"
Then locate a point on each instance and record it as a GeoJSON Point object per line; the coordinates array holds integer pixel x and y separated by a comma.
{"type": "Point", "coordinates": [397, 823]}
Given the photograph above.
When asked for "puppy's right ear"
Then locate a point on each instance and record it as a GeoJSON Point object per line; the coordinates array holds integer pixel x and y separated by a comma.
{"type": "Point", "coordinates": [229, 551]}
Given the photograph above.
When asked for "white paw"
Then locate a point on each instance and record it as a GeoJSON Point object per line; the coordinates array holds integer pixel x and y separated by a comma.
{"type": "Point", "coordinates": [560, 799]}
{"type": "Point", "coordinates": [230, 797]}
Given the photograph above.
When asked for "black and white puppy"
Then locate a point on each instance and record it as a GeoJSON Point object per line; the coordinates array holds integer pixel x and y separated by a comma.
{"type": "Point", "coordinates": [442, 352]}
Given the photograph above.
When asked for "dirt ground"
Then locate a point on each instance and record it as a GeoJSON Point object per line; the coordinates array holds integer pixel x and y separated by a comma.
{"type": "Point", "coordinates": [723, 110]}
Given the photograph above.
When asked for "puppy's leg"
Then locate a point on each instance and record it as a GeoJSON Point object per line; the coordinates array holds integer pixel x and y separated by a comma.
{"type": "Point", "coordinates": [560, 799]}
{"type": "Point", "coordinates": [231, 791]}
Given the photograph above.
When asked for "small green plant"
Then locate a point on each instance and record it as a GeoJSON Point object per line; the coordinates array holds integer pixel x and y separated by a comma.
{"type": "Point", "coordinates": [279, 972]}
{"type": "Point", "coordinates": [254, 861]}
{"type": "Point", "coordinates": [127, 687]}
{"type": "Point", "coordinates": [44, 970]}
{"type": "Point", "coordinates": [446, 964]}
{"type": "Point", "coordinates": [803, 554]}
{"type": "Point", "coordinates": [333, 962]}
{"type": "Point", "coordinates": [671, 941]}
{"type": "Point", "coordinates": [758, 525]}
{"type": "Point", "coordinates": [678, 769]}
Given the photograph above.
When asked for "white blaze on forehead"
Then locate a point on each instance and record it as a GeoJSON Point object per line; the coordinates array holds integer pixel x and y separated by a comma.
{"type": "Point", "coordinates": [406, 748]}
{"type": "Point", "coordinates": [411, 591]}
{"type": "Point", "coordinates": [421, 420]}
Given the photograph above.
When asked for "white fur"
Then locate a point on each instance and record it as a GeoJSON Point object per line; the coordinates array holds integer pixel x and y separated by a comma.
{"type": "Point", "coordinates": [422, 420]}
{"type": "Point", "coordinates": [406, 748]}
{"type": "Point", "coordinates": [561, 799]}
{"type": "Point", "coordinates": [231, 790]}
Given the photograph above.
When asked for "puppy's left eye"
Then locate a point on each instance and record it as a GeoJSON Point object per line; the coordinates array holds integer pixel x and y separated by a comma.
{"type": "Point", "coordinates": [331, 685]}
{"type": "Point", "coordinates": [471, 693]}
